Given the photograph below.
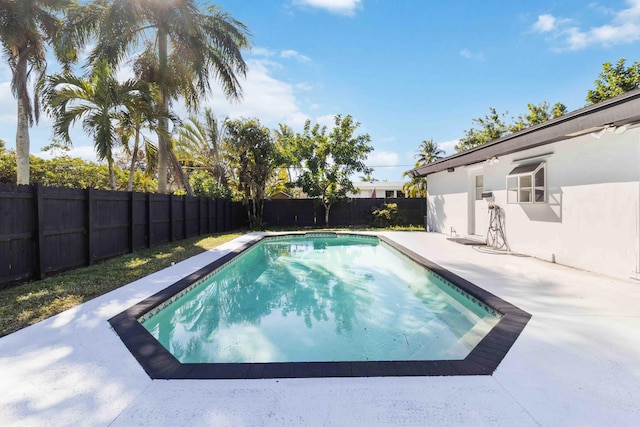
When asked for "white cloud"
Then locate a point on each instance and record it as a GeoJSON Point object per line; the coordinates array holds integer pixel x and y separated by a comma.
{"type": "Point", "coordinates": [448, 146]}
{"type": "Point", "coordinates": [271, 100]}
{"type": "Point", "coordinates": [304, 86]}
{"type": "Point", "coordinates": [327, 120]}
{"type": "Point", "coordinates": [294, 55]}
{"type": "Point", "coordinates": [341, 7]}
{"type": "Point", "coordinates": [466, 53]}
{"type": "Point", "coordinates": [261, 51]}
{"type": "Point", "coordinates": [623, 27]}
{"type": "Point", "coordinates": [8, 106]}
{"type": "Point", "coordinates": [545, 23]}
{"type": "Point", "coordinates": [85, 152]}
{"type": "Point", "coordinates": [383, 158]}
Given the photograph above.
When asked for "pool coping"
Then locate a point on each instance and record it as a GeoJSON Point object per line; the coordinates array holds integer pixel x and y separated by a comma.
{"type": "Point", "coordinates": [159, 363]}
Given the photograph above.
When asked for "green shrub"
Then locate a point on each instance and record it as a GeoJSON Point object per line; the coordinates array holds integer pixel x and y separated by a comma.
{"type": "Point", "coordinates": [386, 215]}
{"type": "Point", "coordinates": [205, 185]}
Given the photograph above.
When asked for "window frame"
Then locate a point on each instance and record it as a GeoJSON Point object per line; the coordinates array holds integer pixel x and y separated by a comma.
{"type": "Point", "coordinates": [523, 185]}
{"type": "Point", "coordinates": [478, 194]}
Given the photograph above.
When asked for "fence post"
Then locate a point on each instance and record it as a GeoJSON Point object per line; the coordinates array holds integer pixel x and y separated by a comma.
{"type": "Point", "coordinates": [199, 216]}
{"type": "Point", "coordinates": [131, 224]}
{"type": "Point", "coordinates": [170, 217]}
{"type": "Point", "coordinates": [89, 222]}
{"type": "Point", "coordinates": [39, 217]}
{"type": "Point", "coordinates": [184, 215]}
{"type": "Point", "coordinates": [148, 215]}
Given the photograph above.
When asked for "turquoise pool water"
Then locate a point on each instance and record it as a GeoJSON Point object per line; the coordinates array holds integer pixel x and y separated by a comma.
{"type": "Point", "coordinates": [307, 299]}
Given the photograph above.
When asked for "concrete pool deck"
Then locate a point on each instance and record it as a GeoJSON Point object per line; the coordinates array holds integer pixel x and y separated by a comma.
{"type": "Point", "coordinates": [577, 362]}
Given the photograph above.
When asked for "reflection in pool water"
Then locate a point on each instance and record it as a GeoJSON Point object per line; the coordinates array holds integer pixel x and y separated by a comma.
{"type": "Point", "coordinates": [321, 299]}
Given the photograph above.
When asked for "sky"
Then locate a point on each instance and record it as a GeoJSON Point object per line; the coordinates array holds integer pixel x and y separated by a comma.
{"type": "Point", "coordinates": [406, 70]}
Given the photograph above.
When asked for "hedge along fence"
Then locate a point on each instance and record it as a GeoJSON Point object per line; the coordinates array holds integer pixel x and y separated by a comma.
{"type": "Point", "coordinates": [46, 230]}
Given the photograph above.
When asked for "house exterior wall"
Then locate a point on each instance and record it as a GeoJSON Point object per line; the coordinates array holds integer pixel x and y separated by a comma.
{"type": "Point", "coordinates": [381, 189]}
{"type": "Point", "coordinates": [591, 219]}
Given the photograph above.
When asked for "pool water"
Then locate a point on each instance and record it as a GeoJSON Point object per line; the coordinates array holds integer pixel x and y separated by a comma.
{"type": "Point", "coordinates": [338, 298]}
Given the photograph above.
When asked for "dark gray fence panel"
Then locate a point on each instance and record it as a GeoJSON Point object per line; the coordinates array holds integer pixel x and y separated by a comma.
{"type": "Point", "coordinates": [355, 212]}
{"type": "Point", "coordinates": [293, 212]}
{"type": "Point", "coordinates": [227, 215]}
{"type": "Point", "coordinates": [64, 229]}
{"type": "Point", "coordinates": [110, 224]}
{"type": "Point", "coordinates": [139, 216]}
{"type": "Point", "coordinates": [177, 217]}
{"type": "Point", "coordinates": [46, 230]}
{"type": "Point", "coordinates": [160, 218]}
{"type": "Point", "coordinates": [17, 233]}
{"type": "Point", "coordinates": [192, 216]}
{"type": "Point", "coordinates": [220, 215]}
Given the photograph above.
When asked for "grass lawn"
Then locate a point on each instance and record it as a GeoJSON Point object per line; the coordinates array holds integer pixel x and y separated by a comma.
{"type": "Point", "coordinates": [29, 303]}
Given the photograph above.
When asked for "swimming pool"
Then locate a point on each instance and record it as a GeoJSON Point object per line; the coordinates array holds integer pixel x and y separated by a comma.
{"type": "Point", "coordinates": [320, 304]}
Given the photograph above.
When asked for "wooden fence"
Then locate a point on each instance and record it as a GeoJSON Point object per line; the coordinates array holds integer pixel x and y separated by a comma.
{"type": "Point", "coordinates": [308, 213]}
{"type": "Point", "coordinates": [46, 230]}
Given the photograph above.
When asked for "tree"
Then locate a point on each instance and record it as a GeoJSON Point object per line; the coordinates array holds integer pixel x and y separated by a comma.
{"type": "Point", "coordinates": [286, 149]}
{"type": "Point", "coordinates": [559, 109]}
{"type": "Point", "coordinates": [130, 126]}
{"type": "Point", "coordinates": [614, 81]}
{"type": "Point", "coordinates": [368, 177]}
{"type": "Point", "coordinates": [25, 29]}
{"type": "Point", "coordinates": [538, 114]}
{"type": "Point", "coordinates": [428, 152]}
{"type": "Point", "coordinates": [199, 144]}
{"type": "Point", "coordinates": [494, 126]}
{"type": "Point", "coordinates": [204, 185]}
{"type": "Point", "coordinates": [1, 145]}
{"type": "Point", "coordinates": [65, 171]}
{"type": "Point", "coordinates": [184, 50]}
{"type": "Point", "coordinates": [98, 102]}
{"type": "Point", "coordinates": [251, 153]}
{"type": "Point", "coordinates": [330, 160]}
{"type": "Point", "coordinates": [488, 128]}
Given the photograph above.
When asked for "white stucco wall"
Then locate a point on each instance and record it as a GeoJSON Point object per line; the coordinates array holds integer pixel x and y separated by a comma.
{"type": "Point", "coordinates": [592, 216]}
{"type": "Point", "coordinates": [380, 187]}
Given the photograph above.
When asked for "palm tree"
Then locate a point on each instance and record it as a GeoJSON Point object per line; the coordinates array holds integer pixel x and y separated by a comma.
{"type": "Point", "coordinates": [184, 48]}
{"type": "Point", "coordinates": [200, 143]}
{"type": "Point", "coordinates": [131, 125]}
{"type": "Point", "coordinates": [99, 101]}
{"type": "Point", "coordinates": [26, 26]}
{"type": "Point", "coordinates": [428, 152]}
{"type": "Point", "coordinates": [416, 187]}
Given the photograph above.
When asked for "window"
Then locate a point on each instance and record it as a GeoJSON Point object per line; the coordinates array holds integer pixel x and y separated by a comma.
{"type": "Point", "coordinates": [399, 194]}
{"type": "Point", "coordinates": [527, 184]}
{"type": "Point", "coordinates": [479, 186]}
{"type": "Point", "coordinates": [389, 194]}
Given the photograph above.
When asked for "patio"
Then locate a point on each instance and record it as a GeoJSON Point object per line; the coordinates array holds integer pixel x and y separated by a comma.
{"type": "Point", "coordinates": [577, 362]}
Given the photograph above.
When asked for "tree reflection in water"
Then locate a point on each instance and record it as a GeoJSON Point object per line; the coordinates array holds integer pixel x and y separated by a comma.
{"type": "Point", "coordinates": [300, 299]}
{"type": "Point", "coordinates": [273, 276]}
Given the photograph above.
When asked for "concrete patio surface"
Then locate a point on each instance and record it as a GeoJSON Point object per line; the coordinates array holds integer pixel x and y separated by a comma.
{"type": "Point", "coordinates": [577, 362]}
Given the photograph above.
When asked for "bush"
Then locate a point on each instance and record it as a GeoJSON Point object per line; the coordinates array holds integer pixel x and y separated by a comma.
{"type": "Point", "coordinates": [204, 185]}
{"type": "Point", "coordinates": [386, 215]}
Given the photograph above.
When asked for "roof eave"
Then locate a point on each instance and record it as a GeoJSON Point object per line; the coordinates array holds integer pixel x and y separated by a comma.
{"type": "Point", "coordinates": [621, 110]}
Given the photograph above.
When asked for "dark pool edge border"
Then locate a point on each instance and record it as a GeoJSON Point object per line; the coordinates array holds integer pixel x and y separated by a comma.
{"type": "Point", "coordinates": [158, 363]}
